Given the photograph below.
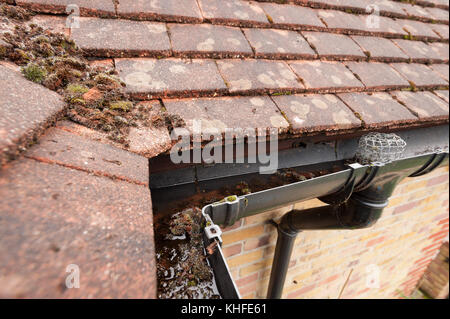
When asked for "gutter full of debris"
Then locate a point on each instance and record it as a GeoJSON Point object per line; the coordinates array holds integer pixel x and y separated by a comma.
{"type": "Point", "coordinates": [356, 191]}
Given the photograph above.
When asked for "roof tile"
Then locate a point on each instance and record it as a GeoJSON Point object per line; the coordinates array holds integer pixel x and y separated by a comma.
{"type": "Point", "coordinates": [378, 75]}
{"type": "Point", "coordinates": [147, 78]}
{"type": "Point", "coordinates": [442, 69]}
{"type": "Point", "coordinates": [342, 21]}
{"type": "Point", "coordinates": [420, 75]}
{"type": "Point", "coordinates": [23, 115]}
{"type": "Point", "coordinates": [276, 43]}
{"type": "Point", "coordinates": [438, 14]}
{"type": "Point", "coordinates": [425, 105]}
{"type": "Point", "coordinates": [441, 30]}
{"type": "Point", "coordinates": [443, 95]}
{"type": "Point", "coordinates": [378, 109]}
{"type": "Point", "coordinates": [342, 4]}
{"type": "Point", "coordinates": [322, 76]}
{"type": "Point", "coordinates": [380, 49]}
{"type": "Point", "coordinates": [316, 113]}
{"type": "Point", "coordinates": [233, 12]}
{"type": "Point", "coordinates": [53, 23]}
{"type": "Point", "coordinates": [229, 113]}
{"type": "Point", "coordinates": [336, 46]}
{"type": "Point", "coordinates": [418, 50]}
{"type": "Point", "coordinates": [53, 217]}
{"type": "Point", "coordinates": [418, 29]}
{"type": "Point", "coordinates": [441, 49]}
{"type": "Point", "coordinates": [121, 37]}
{"type": "Point", "coordinates": [102, 8]}
{"type": "Point", "coordinates": [72, 150]}
{"type": "Point", "coordinates": [162, 10]}
{"type": "Point", "coordinates": [208, 41]}
{"type": "Point", "coordinates": [293, 16]}
{"type": "Point", "coordinates": [258, 76]}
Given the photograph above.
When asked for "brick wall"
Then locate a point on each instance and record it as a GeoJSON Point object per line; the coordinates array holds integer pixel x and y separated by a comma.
{"type": "Point", "coordinates": [435, 280]}
{"type": "Point", "coordinates": [398, 248]}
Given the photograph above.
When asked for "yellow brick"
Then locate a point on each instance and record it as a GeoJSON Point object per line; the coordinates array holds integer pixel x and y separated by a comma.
{"type": "Point", "coordinates": [241, 234]}
{"type": "Point", "coordinates": [370, 235]}
{"type": "Point", "coordinates": [244, 259]}
{"type": "Point", "coordinates": [414, 186]}
{"type": "Point", "coordinates": [303, 276]}
{"type": "Point", "coordinates": [259, 265]}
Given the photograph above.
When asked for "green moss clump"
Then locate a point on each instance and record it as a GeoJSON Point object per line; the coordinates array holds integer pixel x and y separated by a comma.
{"type": "Point", "coordinates": [121, 105]}
{"type": "Point", "coordinates": [34, 72]}
{"type": "Point", "coordinates": [77, 89]}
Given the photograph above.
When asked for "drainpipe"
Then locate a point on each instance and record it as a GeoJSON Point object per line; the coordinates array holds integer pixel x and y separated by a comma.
{"type": "Point", "coordinates": [355, 207]}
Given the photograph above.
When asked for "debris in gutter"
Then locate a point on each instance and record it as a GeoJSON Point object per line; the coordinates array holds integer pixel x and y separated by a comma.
{"type": "Point", "coordinates": [183, 270]}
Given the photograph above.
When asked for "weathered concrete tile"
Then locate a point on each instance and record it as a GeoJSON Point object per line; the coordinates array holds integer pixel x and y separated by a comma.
{"type": "Point", "coordinates": [145, 141]}
{"type": "Point", "coordinates": [441, 49]}
{"type": "Point", "coordinates": [334, 46]}
{"type": "Point", "coordinates": [219, 114]}
{"type": "Point", "coordinates": [442, 69]}
{"type": "Point", "coordinates": [443, 94]}
{"type": "Point", "coordinates": [441, 30]}
{"type": "Point", "coordinates": [160, 10]}
{"type": "Point", "coordinates": [349, 5]}
{"type": "Point", "coordinates": [118, 38]}
{"type": "Point", "coordinates": [323, 76]}
{"type": "Point", "coordinates": [377, 75]}
{"type": "Point", "coordinates": [55, 24]}
{"type": "Point", "coordinates": [276, 43]}
{"type": "Point", "coordinates": [233, 12]}
{"type": "Point", "coordinates": [418, 29]}
{"type": "Point", "coordinates": [380, 49]}
{"type": "Point", "coordinates": [149, 78]}
{"type": "Point", "coordinates": [26, 109]}
{"type": "Point", "coordinates": [247, 76]}
{"type": "Point", "coordinates": [386, 27]}
{"type": "Point", "coordinates": [101, 8]}
{"type": "Point", "coordinates": [395, 8]}
{"type": "Point", "coordinates": [72, 150]}
{"type": "Point", "coordinates": [420, 75]}
{"type": "Point", "coordinates": [339, 20]}
{"type": "Point", "coordinates": [425, 105]}
{"type": "Point", "coordinates": [378, 109]}
{"type": "Point", "coordinates": [206, 40]}
{"type": "Point", "coordinates": [54, 216]}
{"type": "Point", "coordinates": [418, 51]}
{"type": "Point", "coordinates": [293, 16]}
{"type": "Point", "coordinates": [316, 113]}
{"type": "Point", "coordinates": [438, 14]}
{"type": "Point", "coordinates": [415, 11]}
{"type": "Point", "coordinates": [149, 141]}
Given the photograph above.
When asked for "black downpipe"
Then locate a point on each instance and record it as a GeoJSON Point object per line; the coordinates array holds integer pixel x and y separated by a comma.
{"type": "Point", "coordinates": [355, 207]}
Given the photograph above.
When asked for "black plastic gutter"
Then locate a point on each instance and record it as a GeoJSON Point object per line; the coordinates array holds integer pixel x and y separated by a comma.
{"type": "Point", "coordinates": [358, 205]}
